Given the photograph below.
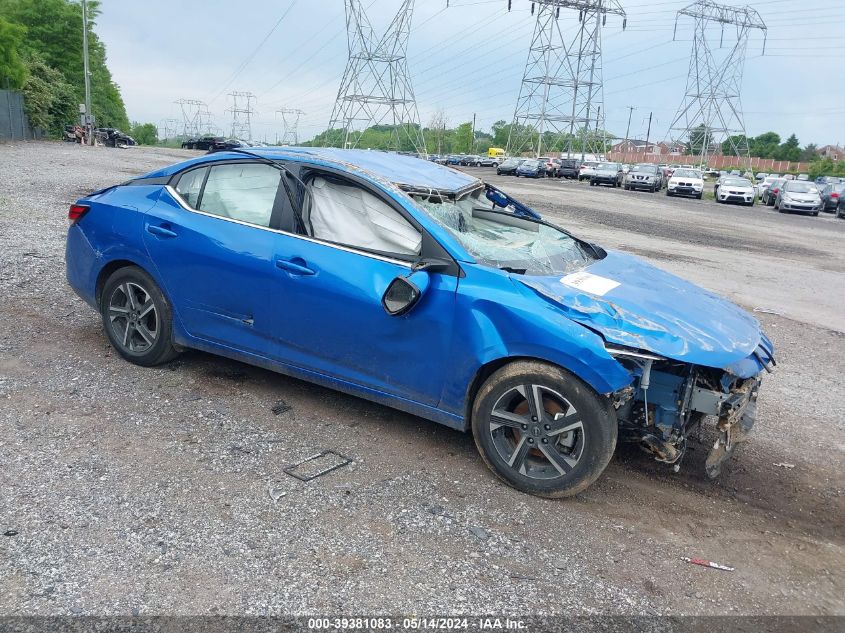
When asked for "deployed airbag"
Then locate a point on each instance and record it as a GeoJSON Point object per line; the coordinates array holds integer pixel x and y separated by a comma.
{"type": "Point", "coordinates": [351, 216]}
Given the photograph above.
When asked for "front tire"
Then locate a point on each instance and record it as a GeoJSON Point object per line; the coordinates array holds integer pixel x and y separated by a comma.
{"type": "Point", "coordinates": [542, 430]}
{"type": "Point", "coordinates": [137, 317]}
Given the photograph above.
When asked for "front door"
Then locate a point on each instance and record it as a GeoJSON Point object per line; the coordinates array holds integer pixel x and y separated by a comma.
{"type": "Point", "coordinates": [331, 284]}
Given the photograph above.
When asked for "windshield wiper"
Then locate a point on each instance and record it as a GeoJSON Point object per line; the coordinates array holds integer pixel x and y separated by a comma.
{"type": "Point", "coordinates": [516, 271]}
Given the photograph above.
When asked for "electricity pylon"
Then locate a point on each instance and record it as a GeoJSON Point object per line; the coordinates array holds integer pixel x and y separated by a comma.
{"type": "Point", "coordinates": [194, 116]}
{"type": "Point", "coordinates": [711, 111]}
{"type": "Point", "coordinates": [561, 92]}
{"type": "Point", "coordinates": [376, 85]}
{"type": "Point", "coordinates": [242, 112]}
{"type": "Point", "coordinates": [168, 128]}
{"type": "Point", "coordinates": [290, 123]}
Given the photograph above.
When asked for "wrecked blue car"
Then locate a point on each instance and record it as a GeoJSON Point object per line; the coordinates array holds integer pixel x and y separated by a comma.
{"type": "Point", "coordinates": [420, 287]}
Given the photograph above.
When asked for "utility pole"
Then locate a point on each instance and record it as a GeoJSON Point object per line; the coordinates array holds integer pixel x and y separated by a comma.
{"type": "Point", "coordinates": [628, 129]}
{"type": "Point", "coordinates": [561, 89]}
{"type": "Point", "coordinates": [648, 133]}
{"type": "Point", "coordinates": [89, 118]}
{"type": "Point", "coordinates": [472, 147]}
{"type": "Point", "coordinates": [712, 98]}
{"type": "Point", "coordinates": [376, 85]}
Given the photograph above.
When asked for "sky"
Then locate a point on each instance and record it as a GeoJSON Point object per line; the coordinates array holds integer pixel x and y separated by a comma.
{"type": "Point", "coordinates": [466, 59]}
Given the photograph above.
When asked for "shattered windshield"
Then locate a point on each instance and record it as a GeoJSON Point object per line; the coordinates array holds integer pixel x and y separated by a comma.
{"type": "Point", "coordinates": [504, 240]}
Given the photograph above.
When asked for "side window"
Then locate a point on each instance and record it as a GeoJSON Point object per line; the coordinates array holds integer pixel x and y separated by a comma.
{"type": "Point", "coordinates": [189, 186]}
{"type": "Point", "coordinates": [241, 192]}
{"type": "Point", "coordinates": [346, 214]}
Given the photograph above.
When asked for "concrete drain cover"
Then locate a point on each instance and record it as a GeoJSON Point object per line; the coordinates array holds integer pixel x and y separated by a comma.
{"type": "Point", "coordinates": [317, 465]}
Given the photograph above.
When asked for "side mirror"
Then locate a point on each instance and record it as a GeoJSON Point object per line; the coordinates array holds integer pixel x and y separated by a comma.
{"type": "Point", "coordinates": [497, 198]}
{"type": "Point", "coordinates": [404, 293]}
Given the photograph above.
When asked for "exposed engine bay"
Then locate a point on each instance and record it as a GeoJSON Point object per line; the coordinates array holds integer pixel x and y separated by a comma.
{"type": "Point", "coordinates": [670, 399]}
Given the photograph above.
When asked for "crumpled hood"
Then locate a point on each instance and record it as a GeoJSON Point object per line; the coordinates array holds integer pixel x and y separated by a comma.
{"type": "Point", "coordinates": [635, 304]}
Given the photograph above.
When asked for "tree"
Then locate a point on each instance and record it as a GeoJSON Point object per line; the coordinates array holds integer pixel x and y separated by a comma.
{"type": "Point", "coordinates": [12, 68]}
{"type": "Point", "coordinates": [734, 143]}
{"type": "Point", "coordinates": [501, 129]}
{"type": "Point", "coordinates": [790, 150]}
{"type": "Point", "coordinates": [49, 100]}
{"type": "Point", "coordinates": [698, 137]}
{"type": "Point", "coordinates": [809, 153]}
{"type": "Point", "coordinates": [54, 32]}
{"type": "Point", "coordinates": [463, 138]}
{"type": "Point", "coordinates": [144, 133]}
{"type": "Point", "coordinates": [765, 145]}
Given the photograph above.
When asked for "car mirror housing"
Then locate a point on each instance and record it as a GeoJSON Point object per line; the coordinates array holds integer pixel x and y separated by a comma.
{"type": "Point", "coordinates": [404, 293]}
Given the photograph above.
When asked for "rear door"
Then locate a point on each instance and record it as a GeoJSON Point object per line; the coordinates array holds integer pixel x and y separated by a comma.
{"type": "Point", "coordinates": [210, 240]}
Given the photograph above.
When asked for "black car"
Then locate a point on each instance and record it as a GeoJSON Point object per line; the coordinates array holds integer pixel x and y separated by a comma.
{"type": "Point", "coordinates": [508, 168]}
{"type": "Point", "coordinates": [831, 196]}
{"type": "Point", "coordinates": [840, 209]}
{"type": "Point", "coordinates": [227, 144]}
{"type": "Point", "coordinates": [471, 160]}
{"type": "Point", "coordinates": [112, 137]}
{"type": "Point", "coordinates": [568, 168]}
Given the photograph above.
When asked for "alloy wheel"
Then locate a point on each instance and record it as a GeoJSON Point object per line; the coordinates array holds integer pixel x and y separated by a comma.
{"type": "Point", "coordinates": [133, 317]}
{"type": "Point", "coordinates": [537, 432]}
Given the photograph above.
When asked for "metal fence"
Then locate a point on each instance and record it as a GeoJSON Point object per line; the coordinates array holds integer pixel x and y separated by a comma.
{"type": "Point", "coordinates": [13, 123]}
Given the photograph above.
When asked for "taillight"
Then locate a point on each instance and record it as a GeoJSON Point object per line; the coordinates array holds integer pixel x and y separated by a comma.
{"type": "Point", "coordinates": [76, 212]}
{"type": "Point", "coordinates": [775, 190]}
{"type": "Point", "coordinates": [834, 195]}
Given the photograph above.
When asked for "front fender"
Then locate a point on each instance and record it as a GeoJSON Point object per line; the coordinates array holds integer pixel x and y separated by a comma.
{"type": "Point", "coordinates": [498, 322]}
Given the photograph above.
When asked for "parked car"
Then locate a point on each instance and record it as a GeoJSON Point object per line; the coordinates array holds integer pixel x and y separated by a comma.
{"type": "Point", "coordinates": [489, 161]}
{"type": "Point", "coordinates": [569, 168]}
{"type": "Point", "coordinates": [112, 137]}
{"type": "Point", "coordinates": [471, 160]}
{"type": "Point", "coordinates": [607, 174]}
{"type": "Point", "coordinates": [343, 269]}
{"type": "Point", "coordinates": [203, 143]}
{"type": "Point", "coordinates": [760, 175]}
{"type": "Point", "coordinates": [831, 195]}
{"type": "Point", "coordinates": [587, 169]}
{"type": "Point", "coordinates": [734, 189]}
{"type": "Point", "coordinates": [454, 159]}
{"type": "Point", "coordinates": [761, 186]}
{"type": "Point", "coordinates": [789, 177]}
{"type": "Point", "coordinates": [828, 180]}
{"type": "Point", "coordinates": [802, 177]}
{"type": "Point", "coordinates": [551, 165]}
{"type": "Point", "coordinates": [508, 168]}
{"type": "Point", "coordinates": [227, 144]}
{"type": "Point", "coordinates": [531, 168]}
{"type": "Point", "coordinates": [840, 209]}
{"type": "Point", "coordinates": [800, 196]}
{"type": "Point", "coordinates": [770, 193]}
{"type": "Point", "coordinates": [686, 182]}
{"type": "Point", "coordinates": [644, 176]}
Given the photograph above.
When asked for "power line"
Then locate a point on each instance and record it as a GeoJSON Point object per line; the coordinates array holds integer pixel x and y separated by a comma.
{"type": "Point", "coordinates": [562, 89]}
{"type": "Point", "coordinates": [376, 85]}
{"type": "Point", "coordinates": [711, 112]}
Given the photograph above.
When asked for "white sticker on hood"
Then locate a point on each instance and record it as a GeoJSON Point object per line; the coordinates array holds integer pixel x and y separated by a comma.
{"type": "Point", "coordinates": [588, 282]}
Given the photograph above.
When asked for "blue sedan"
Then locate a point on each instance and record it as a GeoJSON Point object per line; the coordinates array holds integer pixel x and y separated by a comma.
{"type": "Point", "coordinates": [422, 288]}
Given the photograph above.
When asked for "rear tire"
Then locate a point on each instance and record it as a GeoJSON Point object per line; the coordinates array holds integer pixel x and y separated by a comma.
{"type": "Point", "coordinates": [137, 317]}
{"type": "Point", "coordinates": [542, 430]}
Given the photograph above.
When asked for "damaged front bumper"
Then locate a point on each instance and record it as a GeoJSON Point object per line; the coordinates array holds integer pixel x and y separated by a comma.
{"type": "Point", "coordinates": [737, 413]}
{"type": "Point", "coordinates": [669, 399]}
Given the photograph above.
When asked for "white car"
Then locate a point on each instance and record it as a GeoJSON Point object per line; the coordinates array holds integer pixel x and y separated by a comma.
{"type": "Point", "coordinates": [685, 182]}
{"type": "Point", "coordinates": [735, 189]}
{"type": "Point", "coordinates": [761, 186]}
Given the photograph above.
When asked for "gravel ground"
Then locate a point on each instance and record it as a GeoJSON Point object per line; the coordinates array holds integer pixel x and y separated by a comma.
{"type": "Point", "coordinates": [150, 491]}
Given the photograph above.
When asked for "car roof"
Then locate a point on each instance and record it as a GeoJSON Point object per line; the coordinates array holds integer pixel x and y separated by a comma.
{"type": "Point", "coordinates": [397, 169]}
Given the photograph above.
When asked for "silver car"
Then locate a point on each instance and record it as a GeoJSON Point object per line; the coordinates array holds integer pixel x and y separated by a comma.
{"type": "Point", "coordinates": [799, 196]}
{"type": "Point", "coordinates": [644, 176]}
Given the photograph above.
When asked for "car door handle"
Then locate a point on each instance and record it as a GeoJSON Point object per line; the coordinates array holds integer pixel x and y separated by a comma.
{"type": "Point", "coordinates": [161, 231]}
{"type": "Point", "coordinates": [296, 266]}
